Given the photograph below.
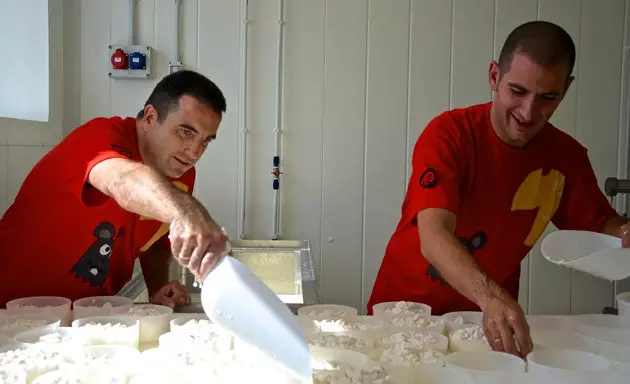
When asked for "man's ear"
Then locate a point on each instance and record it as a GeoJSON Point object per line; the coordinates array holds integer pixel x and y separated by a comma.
{"type": "Point", "coordinates": [494, 75]}
{"type": "Point", "coordinates": [150, 115]}
{"type": "Point", "coordinates": [567, 85]}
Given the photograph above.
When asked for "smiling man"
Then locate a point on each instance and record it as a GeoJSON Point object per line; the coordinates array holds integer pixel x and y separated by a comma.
{"type": "Point", "coordinates": [113, 190]}
{"type": "Point", "coordinates": [486, 182]}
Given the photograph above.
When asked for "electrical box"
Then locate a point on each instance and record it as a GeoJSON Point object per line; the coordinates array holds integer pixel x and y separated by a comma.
{"type": "Point", "coordinates": [130, 61]}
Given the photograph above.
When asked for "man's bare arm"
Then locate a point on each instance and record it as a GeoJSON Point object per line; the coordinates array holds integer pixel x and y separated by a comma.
{"type": "Point", "coordinates": [504, 322]}
{"type": "Point", "coordinates": [140, 189]}
{"type": "Point", "coordinates": [446, 253]}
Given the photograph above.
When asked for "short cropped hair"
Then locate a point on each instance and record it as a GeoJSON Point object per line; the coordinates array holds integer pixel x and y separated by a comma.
{"type": "Point", "coordinates": [166, 94]}
{"type": "Point", "coordinates": [544, 42]}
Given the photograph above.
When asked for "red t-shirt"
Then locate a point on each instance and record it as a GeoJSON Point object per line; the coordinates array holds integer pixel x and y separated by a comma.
{"type": "Point", "coordinates": [63, 237]}
{"type": "Point", "coordinates": [503, 198]}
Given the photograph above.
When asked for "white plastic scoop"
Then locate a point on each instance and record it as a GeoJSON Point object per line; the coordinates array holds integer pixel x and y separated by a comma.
{"type": "Point", "coordinates": [594, 253]}
{"type": "Point", "coordinates": [236, 299]}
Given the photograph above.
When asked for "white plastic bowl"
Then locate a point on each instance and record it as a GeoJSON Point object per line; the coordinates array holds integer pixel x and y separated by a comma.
{"type": "Point", "coordinates": [10, 375]}
{"type": "Point", "coordinates": [56, 305]}
{"type": "Point", "coordinates": [414, 338]}
{"type": "Point", "coordinates": [396, 308]}
{"type": "Point", "coordinates": [514, 378]}
{"type": "Point", "coordinates": [485, 361]}
{"type": "Point", "coordinates": [554, 361]}
{"type": "Point", "coordinates": [101, 306]}
{"type": "Point", "coordinates": [623, 305]}
{"type": "Point", "coordinates": [548, 323]}
{"type": "Point", "coordinates": [459, 344]}
{"type": "Point", "coordinates": [593, 253]}
{"type": "Point", "coordinates": [154, 321]}
{"type": "Point", "coordinates": [65, 337]}
{"type": "Point", "coordinates": [34, 361]}
{"type": "Point", "coordinates": [327, 311]}
{"type": "Point", "coordinates": [556, 339]}
{"type": "Point", "coordinates": [111, 330]}
{"type": "Point", "coordinates": [13, 324]}
{"type": "Point", "coordinates": [114, 357]}
{"type": "Point", "coordinates": [82, 375]}
{"type": "Point", "coordinates": [419, 322]}
{"type": "Point", "coordinates": [180, 320]}
{"type": "Point", "coordinates": [462, 319]}
{"type": "Point", "coordinates": [342, 325]}
{"type": "Point", "coordinates": [428, 374]}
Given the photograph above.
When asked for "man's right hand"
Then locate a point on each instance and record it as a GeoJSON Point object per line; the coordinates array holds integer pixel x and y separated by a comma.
{"type": "Point", "coordinates": [505, 326]}
{"type": "Point", "coordinates": [197, 242]}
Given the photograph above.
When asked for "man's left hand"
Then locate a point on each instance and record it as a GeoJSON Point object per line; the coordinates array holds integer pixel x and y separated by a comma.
{"type": "Point", "coordinates": [171, 295]}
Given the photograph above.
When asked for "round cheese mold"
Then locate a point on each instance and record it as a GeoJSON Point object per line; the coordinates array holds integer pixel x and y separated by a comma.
{"type": "Point", "coordinates": [463, 319]}
{"type": "Point", "coordinates": [66, 337]}
{"type": "Point", "coordinates": [154, 321]}
{"type": "Point", "coordinates": [11, 325]}
{"type": "Point", "coordinates": [327, 311]}
{"type": "Point", "coordinates": [415, 339]}
{"type": "Point", "coordinates": [101, 306]}
{"type": "Point", "coordinates": [395, 308]}
{"type": "Point", "coordinates": [60, 307]}
{"type": "Point", "coordinates": [32, 361]}
{"type": "Point", "coordinates": [342, 325]}
{"type": "Point", "coordinates": [469, 339]}
{"type": "Point", "coordinates": [110, 330]}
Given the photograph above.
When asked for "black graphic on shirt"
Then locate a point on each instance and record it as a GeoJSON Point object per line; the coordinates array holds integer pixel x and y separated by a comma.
{"type": "Point", "coordinates": [93, 266]}
{"type": "Point", "coordinates": [476, 242]}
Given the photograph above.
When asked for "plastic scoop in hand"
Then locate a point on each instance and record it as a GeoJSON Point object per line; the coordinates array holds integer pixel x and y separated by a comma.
{"type": "Point", "coordinates": [236, 299]}
{"type": "Point", "coordinates": [594, 253]}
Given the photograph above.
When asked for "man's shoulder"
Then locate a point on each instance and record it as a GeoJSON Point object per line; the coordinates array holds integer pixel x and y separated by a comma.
{"type": "Point", "coordinates": [99, 124]}
{"type": "Point", "coordinates": [459, 122]}
{"type": "Point", "coordinates": [560, 139]}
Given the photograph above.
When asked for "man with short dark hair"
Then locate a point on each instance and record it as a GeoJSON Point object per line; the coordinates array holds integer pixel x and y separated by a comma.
{"type": "Point", "coordinates": [486, 182]}
{"type": "Point", "coordinates": [113, 190]}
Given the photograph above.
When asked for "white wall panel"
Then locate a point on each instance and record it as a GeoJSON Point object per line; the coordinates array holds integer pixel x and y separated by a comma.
{"type": "Point", "coordinates": [20, 161]}
{"type": "Point", "coordinates": [471, 51]}
{"type": "Point", "coordinates": [551, 292]}
{"type": "Point", "coordinates": [344, 146]}
{"type": "Point", "coordinates": [429, 66]}
{"type": "Point", "coordinates": [216, 172]}
{"type": "Point", "coordinates": [601, 39]}
{"type": "Point", "coordinates": [262, 48]}
{"type": "Point", "coordinates": [95, 36]}
{"type": "Point", "coordinates": [386, 130]}
{"type": "Point", "coordinates": [303, 119]}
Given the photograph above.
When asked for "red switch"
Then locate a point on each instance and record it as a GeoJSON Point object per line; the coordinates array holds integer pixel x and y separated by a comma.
{"type": "Point", "coordinates": [119, 59]}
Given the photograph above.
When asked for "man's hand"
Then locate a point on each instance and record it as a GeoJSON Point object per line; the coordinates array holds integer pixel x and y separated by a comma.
{"type": "Point", "coordinates": [171, 295]}
{"type": "Point", "coordinates": [505, 326]}
{"type": "Point", "coordinates": [197, 242]}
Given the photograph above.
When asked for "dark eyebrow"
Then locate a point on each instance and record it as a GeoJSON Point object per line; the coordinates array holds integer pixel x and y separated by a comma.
{"type": "Point", "coordinates": [520, 88]}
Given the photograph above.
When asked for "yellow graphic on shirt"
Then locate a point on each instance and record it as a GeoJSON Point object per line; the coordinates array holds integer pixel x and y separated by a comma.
{"type": "Point", "coordinates": [163, 230]}
{"type": "Point", "coordinates": [542, 192]}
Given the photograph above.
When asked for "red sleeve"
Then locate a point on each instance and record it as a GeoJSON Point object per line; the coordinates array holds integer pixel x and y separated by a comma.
{"type": "Point", "coordinates": [583, 205]}
{"type": "Point", "coordinates": [97, 140]}
{"type": "Point", "coordinates": [439, 174]}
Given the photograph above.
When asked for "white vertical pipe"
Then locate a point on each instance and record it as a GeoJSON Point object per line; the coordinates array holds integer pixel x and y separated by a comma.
{"type": "Point", "coordinates": [242, 120]}
{"type": "Point", "coordinates": [278, 116]}
{"type": "Point", "coordinates": [175, 64]}
{"type": "Point", "coordinates": [132, 16]}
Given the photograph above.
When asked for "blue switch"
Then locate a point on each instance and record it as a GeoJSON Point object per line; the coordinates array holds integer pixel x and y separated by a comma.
{"type": "Point", "coordinates": [137, 60]}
